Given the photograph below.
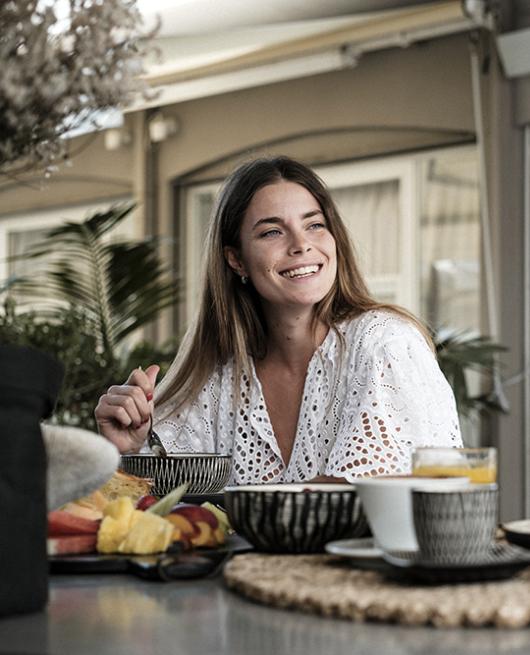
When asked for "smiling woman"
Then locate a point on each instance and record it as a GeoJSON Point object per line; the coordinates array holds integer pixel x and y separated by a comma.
{"type": "Point", "coordinates": [290, 365]}
{"type": "Point", "coordinates": [285, 249]}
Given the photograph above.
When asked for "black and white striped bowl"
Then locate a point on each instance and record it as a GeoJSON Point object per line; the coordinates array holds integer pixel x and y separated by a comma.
{"type": "Point", "coordinates": [295, 518]}
{"type": "Point", "coordinates": [206, 473]}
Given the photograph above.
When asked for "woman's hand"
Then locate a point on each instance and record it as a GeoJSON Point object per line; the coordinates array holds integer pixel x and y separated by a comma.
{"type": "Point", "coordinates": [124, 412]}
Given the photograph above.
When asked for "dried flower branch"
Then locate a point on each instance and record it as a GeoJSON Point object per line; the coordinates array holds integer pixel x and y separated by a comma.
{"type": "Point", "coordinates": [58, 71]}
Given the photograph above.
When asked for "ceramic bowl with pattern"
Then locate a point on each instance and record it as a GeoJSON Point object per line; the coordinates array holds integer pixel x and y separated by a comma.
{"type": "Point", "coordinates": [295, 518]}
{"type": "Point", "coordinates": [455, 526]}
{"type": "Point", "coordinates": [206, 473]}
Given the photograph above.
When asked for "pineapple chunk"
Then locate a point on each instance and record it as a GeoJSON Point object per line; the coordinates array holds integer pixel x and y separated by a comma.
{"type": "Point", "coordinates": [149, 534]}
{"type": "Point", "coordinates": [117, 518]}
{"type": "Point", "coordinates": [128, 530]}
{"type": "Point", "coordinates": [122, 508]}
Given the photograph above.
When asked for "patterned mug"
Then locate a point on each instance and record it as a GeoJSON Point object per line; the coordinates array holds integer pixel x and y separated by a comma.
{"type": "Point", "coordinates": [455, 526]}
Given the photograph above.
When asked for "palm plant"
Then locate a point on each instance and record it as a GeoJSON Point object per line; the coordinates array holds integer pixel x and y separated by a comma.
{"type": "Point", "coordinates": [121, 285]}
{"type": "Point", "coordinates": [97, 293]}
{"type": "Point", "coordinates": [461, 352]}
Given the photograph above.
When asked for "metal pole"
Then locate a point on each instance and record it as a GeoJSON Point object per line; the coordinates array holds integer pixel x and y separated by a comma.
{"type": "Point", "coordinates": [487, 248]}
{"type": "Point", "coordinates": [526, 317]}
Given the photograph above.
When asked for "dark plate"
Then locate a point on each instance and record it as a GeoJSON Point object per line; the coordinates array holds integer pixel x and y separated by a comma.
{"type": "Point", "coordinates": [518, 532]}
{"type": "Point", "coordinates": [164, 566]}
{"type": "Point", "coordinates": [88, 563]}
{"type": "Point", "coordinates": [502, 561]}
{"type": "Point", "coordinates": [197, 499]}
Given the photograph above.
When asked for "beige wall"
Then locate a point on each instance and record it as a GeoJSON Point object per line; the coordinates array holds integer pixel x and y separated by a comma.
{"type": "Point", "coordinates": [95, 174]}
{"type": "Point", "coordinates": [423, 86]}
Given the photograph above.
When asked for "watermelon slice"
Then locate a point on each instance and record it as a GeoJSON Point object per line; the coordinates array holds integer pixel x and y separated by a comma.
{"type": "Point", "coordinates": [61, 523]}
{"type": "Point", "coordinates": [71, 544]}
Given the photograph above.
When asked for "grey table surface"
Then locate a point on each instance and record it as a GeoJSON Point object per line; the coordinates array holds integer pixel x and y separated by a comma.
{"type": "Point", "coordinates": [123, 615]}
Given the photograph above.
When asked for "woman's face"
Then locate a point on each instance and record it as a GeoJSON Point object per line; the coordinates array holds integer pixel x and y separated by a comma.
{"type": "Point", "coordinates": [286, 250]}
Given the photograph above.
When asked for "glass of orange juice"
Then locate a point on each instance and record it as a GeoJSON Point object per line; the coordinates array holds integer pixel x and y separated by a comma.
{"type": "Point", "coordinates": [478, 464]}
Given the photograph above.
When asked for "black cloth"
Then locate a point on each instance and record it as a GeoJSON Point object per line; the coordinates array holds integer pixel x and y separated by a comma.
{"type": "Point", "coordinates": [30, 381]}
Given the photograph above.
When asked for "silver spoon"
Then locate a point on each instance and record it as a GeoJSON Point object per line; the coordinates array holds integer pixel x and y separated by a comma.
{"type": "Point", "coordinates": [154, 441]}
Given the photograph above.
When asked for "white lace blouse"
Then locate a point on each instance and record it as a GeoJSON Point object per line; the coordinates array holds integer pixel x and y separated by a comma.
{"type": "Point", "coordinates": [365, 406]}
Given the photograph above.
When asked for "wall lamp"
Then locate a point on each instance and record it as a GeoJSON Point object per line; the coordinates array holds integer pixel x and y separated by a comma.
{"type": "Point", "coordinates": [162, 127]}
{"type": "Point", "coordinates": [116, 138]}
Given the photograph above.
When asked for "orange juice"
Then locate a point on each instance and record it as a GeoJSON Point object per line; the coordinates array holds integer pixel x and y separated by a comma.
{"type": "Point", "coordinates": [478, 474]}
{"type": "Point", "coordinates": [477, 464]}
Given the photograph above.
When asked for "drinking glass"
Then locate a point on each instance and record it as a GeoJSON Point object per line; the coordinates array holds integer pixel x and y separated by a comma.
{"type": "Point", "coordinates": [478, 464]}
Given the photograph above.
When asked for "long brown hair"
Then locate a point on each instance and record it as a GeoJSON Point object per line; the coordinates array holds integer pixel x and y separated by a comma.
{"type": "Point", "coordinates": [230, 324]}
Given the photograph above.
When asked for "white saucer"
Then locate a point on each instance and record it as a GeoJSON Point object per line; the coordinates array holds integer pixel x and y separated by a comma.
{"type": "Point", "coordinates": [518, 532]}
{"type": "Point", "coordinates": [522, 526]}
{"type": "Point", "coordinates": [357, 549]}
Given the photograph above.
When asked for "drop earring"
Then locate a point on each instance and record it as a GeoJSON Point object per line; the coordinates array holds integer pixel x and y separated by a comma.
{"type": "Point", "coordinates": [244, 279]}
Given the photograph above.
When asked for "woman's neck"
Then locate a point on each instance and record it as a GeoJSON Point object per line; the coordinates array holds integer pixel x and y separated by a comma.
{"type": "Point", "coordinates": [291, 341]}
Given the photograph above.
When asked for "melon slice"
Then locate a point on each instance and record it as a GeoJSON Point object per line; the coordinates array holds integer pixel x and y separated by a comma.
{"type": "Point", "coordinates": [64, 523]}
{"type": "Point", "coordinates": [82, 511]}
{"type": "Point", "coordinates": [71, 544]}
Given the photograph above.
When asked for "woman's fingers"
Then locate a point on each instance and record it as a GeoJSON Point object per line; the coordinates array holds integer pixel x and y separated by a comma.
{"type": "Point", "coordinates": [135, 400]}
{"type": "Point", "coordinates": [127, 403]}
{"type": "Point", "coordinates": [151, 373]}
{"type": "Point", "coordinates": [117, 414]}
{"type": "Point", "coordinates": [139, 378]}
{"type": "Point", "coordinates": [123, 413]}
{"type": "Point", "coordinates": [116, 424]}
{"type": "Point", "coordinates": [108, 411]}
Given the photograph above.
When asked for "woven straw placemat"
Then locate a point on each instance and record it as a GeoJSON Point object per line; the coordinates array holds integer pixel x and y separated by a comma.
{"type": "Point", "coordinates": [322, 584]}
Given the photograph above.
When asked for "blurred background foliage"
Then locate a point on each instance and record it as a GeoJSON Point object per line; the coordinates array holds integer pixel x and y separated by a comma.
{"type": "Point", "coordinates": [91, 297]}
{"type": "Point", "coordinates": [460, 353]}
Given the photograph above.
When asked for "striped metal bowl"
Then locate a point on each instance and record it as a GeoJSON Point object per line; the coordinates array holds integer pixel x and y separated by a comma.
{"type": "Point", "coordinates": [205, 473]}
{"type": "Point", "coordinates": [295, 518]}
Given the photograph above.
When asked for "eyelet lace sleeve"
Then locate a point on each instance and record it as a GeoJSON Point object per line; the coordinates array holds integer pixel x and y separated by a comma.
{"type": "Point", "coordinates": [397, 399]}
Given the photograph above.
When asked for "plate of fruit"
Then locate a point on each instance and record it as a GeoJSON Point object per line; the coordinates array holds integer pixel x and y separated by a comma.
{"type": "Point", "coordinates": [160, 538]}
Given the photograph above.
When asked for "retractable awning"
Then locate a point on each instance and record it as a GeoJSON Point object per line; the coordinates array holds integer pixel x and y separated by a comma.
{"type": "Point", "coordinates": [209, 64]}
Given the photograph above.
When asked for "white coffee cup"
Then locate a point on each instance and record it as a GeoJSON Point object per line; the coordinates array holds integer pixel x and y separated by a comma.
{"type": "Point", "coordinates": [387, 503]}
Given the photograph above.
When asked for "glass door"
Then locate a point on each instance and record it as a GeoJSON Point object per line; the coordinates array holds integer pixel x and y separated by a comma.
{"type": "Point", "coordinates": [377, 202]}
